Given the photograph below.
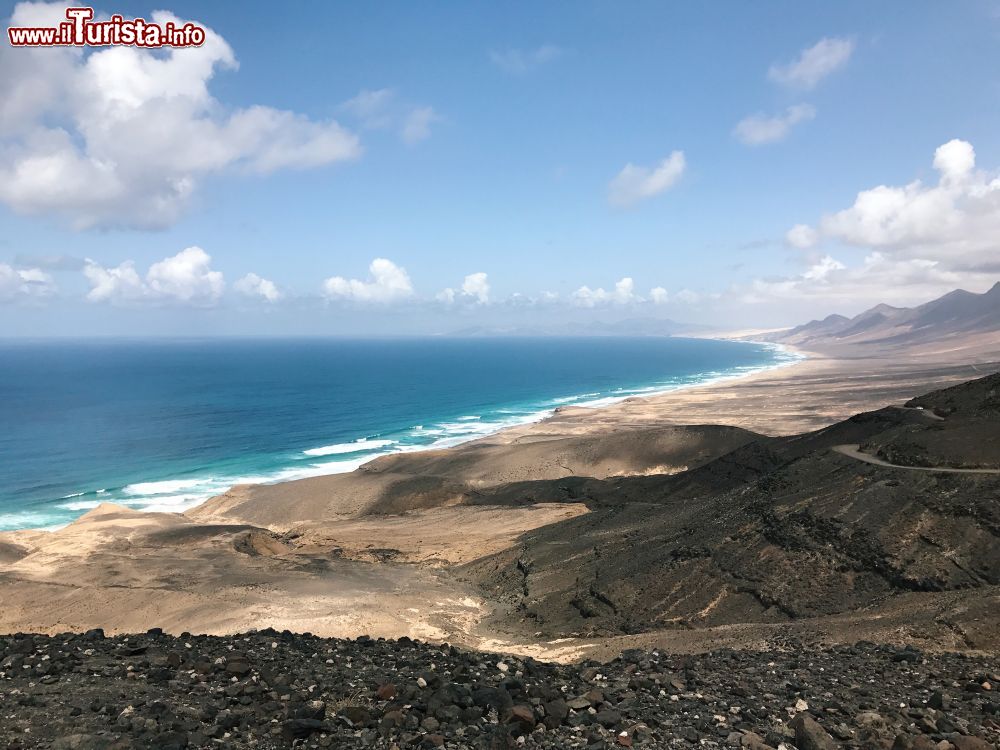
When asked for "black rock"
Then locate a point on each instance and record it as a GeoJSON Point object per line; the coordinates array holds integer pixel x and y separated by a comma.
{"type": "Point", "coordinates": [297, 729]}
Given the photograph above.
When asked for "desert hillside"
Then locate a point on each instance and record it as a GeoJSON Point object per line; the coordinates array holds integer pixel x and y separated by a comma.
{"type": "Point", "coordinates": [958, 322]}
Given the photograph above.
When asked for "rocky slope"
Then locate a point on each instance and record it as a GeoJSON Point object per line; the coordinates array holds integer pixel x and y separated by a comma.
{"type": "Point", "coordinates": [965, 434]}
{"type": "Point", "coordinates": [779, 530]}
{"type": "Point", "coordinates": [278, 690]}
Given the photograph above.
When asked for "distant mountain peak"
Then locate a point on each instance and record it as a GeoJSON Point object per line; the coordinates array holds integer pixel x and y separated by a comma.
{"type": "Point", "coordinates": [885, 309]}
{"type": "Point", "coordinates": [957, 313]}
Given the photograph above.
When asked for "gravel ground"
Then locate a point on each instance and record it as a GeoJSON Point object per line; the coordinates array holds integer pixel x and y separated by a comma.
{"type": "Point", "coordinates": [277, 690]}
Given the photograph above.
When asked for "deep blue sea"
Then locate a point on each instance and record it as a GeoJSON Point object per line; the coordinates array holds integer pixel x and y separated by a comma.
{"type": "Point", "coordinates": [165, 425]}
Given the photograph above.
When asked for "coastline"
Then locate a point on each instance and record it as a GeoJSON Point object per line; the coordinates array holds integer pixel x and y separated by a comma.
{"type": "Point", "coordinates": [807, 391]}
{"type": "Point", "coordinates": [807, 394]}
{"type": "Point", "coordinates": [549, 427]}
{"type": "Point", "coordinates": [401, 533]}
{"type": "Point", "coordinates": [183, 493]}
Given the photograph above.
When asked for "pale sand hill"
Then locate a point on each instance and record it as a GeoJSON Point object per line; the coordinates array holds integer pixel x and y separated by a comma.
{"type": "Point", "coordinates": [124, 570]}
{"type": "Point", "coordinates": [350, 563]}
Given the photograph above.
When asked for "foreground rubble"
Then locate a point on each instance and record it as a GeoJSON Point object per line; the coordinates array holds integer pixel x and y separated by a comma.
{"type": "Point", "coordinates": [278, 690]}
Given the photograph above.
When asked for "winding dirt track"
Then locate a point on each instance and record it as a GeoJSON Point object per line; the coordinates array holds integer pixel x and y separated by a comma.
{"type": "Point", "coordinates": [853, 451]}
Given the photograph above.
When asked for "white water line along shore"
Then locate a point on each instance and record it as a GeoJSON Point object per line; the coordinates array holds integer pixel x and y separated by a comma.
{"type": "Point", "coordinates": [177, 495]}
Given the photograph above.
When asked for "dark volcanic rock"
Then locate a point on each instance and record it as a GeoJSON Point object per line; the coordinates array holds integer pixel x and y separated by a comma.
{"type": "Point", "coordinates": [778, 530]}
{"type": "Point", "coordinates": [309, 692]}
{"type": "Point", "coordinates": [811, 736]}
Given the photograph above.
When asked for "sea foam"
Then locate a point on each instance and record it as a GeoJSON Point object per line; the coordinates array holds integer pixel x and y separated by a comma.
{"type": "Point", "coordinates": [161, 488]}
{"type": "Point", "coordinates": [361, 444]}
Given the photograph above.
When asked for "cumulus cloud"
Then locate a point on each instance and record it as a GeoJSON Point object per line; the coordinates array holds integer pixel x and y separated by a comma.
{"type": "Point", "coordinates": [475, 288]}
{"type": "Point", "coordinates": [119, 285]}
{"type": "Point", "coordinates": [802, 236]}
{"type": "Point", "coordinates": [956, 221]}
{"type": "Point", "coordinates": [24, 283]}
{"type": "Point", "coordinates": [921, 240]}
{"type": "Point", "coordinates": [813, 63]}
{"type": "Point", "coordinates": [121, 136]}
{"type": "Point", "coordinates": [879, 278]}
{"type": "Point", "coordinates": [389, 283]}
{"type": "Point", "coordinates": [185, 278]}
{"type": "Point", "coordinates": [519, 61]}
{"type": "Point", "coordinates": [955, 160]}
{"type": "Point", "coordinates": [622, 294]}
{"type": "Point", "coordinates": [254, 286]}
{"type": "Point", "coordinates": [476, 285]}
{"type": "Point", "coordinates": [659, 296]}
{"type": "Point", "coordinates": [759, 129]}
{"type": "Point", "coordinates": [381, 109]}
{"type": "Point", "coordinates": [634, 183]}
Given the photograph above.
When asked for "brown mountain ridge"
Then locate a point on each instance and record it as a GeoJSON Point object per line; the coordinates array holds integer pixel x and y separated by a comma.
{"type": "Point", "coordinates": [954, 319]}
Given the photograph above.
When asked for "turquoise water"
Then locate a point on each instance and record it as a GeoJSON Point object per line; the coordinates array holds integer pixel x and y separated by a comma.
{"type": "Point", "coordinates": [165, 425]}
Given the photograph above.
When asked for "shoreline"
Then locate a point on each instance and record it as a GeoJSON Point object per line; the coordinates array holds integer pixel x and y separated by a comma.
{"type": "Point", "coordinates": [289, 474]}
{"type": "Point", "coordinates": [813, 389]}
{"type": "Point", "coordinates": [417, 537]}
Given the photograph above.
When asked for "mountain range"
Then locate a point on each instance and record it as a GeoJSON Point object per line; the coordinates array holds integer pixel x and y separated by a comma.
{"type": "Point", "coordinates": [951, 319]}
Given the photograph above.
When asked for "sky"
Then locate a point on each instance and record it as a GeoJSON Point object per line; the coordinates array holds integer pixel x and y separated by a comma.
{"type": "Point", "coordinates": [414, 168]}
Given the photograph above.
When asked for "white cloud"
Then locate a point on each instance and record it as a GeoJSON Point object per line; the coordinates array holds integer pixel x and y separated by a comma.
{"type": "Point", "coordinates": [688, 296]}
{"type": "Point", "coordinates": [185, 278]}
{"type": "Point", "coordinates": [389, 283]}
{"type": "Point", "coordinates": [253, 285]}
{"type": "Point", "coordinates": [24, 283]}
{"type": "Point", "coordinates": [634, 184]}
{"type": "Point", "coordinates": [956, 221]}
{"type": "Point", "coordinates": [417, 124]}
{"type": "Point", "coordinates": [659, 295]}
{"type": "Point", "coordinates": [759, 129]}
{"type": "Point", "coordinates": [371, 107]}
{"type": "Point", "coordinates": [622, 294]}
{"type": "Point", "coordinates": [119, 285]}
{"type": "Point", "coordinates": [822, 268]}
{"type": "Point", "coordinates": [475, 287]}
{"type": "Point", "coordinates": [518, 61]}
{"type": "Point", "coordinates": [802, 236]}
{"type": "Point", "coordinates": [921, 240]}
{"type": "Point", "coordinates": [955, 160]}
{"type": "Point", "coordinates": [121, 136]}
{"type": "Point", "coordinates": [814, 63]}
{"type": "Point", "coordinates": [381, 110]}
{"type": "Point", "coordinates": [879, 278]}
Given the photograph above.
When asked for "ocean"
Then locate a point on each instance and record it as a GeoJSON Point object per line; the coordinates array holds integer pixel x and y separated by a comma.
{"type": "Point", "coordinates": [164, 425]}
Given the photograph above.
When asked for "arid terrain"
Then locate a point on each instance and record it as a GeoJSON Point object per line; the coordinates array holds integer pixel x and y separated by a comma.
{"type": "Point", "coordinates": [686, 535]}
{"type": "Point", "coordinates": [852, 496]}
{"type": "Point", "coordinates": [278, 690]}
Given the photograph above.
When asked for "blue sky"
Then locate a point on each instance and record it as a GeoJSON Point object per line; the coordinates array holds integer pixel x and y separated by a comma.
{"type": "Point", "coordinates": [495, 138]}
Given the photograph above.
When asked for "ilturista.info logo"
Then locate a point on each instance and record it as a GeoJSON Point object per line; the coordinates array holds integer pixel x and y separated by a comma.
{"type": "Point", "coordinates": [81, 30]}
